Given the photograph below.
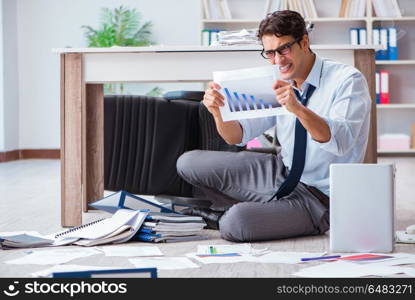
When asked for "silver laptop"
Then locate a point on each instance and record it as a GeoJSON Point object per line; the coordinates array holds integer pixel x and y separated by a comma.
{"type": "Point", "coordinates": [362, 207]}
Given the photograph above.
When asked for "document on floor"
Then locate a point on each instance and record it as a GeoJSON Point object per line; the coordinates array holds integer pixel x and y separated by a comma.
{"type": "Point", "coordinates": [53, 257]}
{"type": "Point", "coordinates": [67, 268]}
{"type": "Point", "coordinates": [210, 254]}
{"type": "Point", "coordinates": [248, 93]}
{"type": "Point", "coordinates": [389, 259]}
{"type": "Point", "coordinates": [131, 251]}
{"type": "Point", "coordinates": [341, 269]}
{"type": "Point", "coordinates": [164, 263]}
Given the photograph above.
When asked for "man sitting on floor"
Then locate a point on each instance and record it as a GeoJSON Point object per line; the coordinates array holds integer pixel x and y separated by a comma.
{"type": "Point", "coordinates": [259, 196]}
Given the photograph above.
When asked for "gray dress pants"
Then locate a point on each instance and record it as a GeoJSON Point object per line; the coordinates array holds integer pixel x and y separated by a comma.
{"type": "Point", "coordinates": [241, 184]}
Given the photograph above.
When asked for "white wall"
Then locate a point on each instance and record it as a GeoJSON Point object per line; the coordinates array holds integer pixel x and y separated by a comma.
{"type": "Point", "coordinates": [10, 67]}
{"type": "Point", "coordinates": [46, 24]}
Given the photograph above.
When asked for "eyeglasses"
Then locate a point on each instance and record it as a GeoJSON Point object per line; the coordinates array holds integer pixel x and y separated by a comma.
{"type": "Point", "coordinates": [281, 50]}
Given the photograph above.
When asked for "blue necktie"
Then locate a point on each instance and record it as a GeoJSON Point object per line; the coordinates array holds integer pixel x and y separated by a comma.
{"type": "Point", "coordinates": [300, 145]}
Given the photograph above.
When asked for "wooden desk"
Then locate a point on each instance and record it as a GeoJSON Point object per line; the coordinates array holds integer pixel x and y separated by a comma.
{"type": "Point", "coordinates": [85, 70]}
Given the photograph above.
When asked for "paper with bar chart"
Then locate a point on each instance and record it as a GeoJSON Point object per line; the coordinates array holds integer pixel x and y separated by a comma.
{"type": "Point", "coordinates": [248, 93]}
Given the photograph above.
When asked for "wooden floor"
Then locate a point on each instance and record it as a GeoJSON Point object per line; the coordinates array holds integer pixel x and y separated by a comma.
{"type": "Point", "coordinates": [30, 200]}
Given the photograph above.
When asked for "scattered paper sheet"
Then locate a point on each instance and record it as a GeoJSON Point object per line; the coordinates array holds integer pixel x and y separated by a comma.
{"type": "Point", "coordinates": [219, 259]}
{"type": "Point", "coordinates": [347, 269]}
{"type": "Point", "coordinates": [131, 251]}
{"type": "Point", "coordinates": [248, 93]}
{"type": "Point", "coordinates": [67, 268]}
{"type": "Point", "coordinates": [163, 263]}
{"type": "Point", "coordinates": [267, 257]}
{"type": "Point", "coordinates": [53, 257]}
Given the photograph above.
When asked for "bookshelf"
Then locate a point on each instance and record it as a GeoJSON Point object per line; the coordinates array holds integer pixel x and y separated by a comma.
{"type": "Point", "coordinates": [329, 28]}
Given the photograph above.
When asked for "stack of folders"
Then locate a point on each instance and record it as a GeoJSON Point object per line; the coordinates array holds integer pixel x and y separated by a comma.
{"type": "Point", "coordinates": [170, 227]}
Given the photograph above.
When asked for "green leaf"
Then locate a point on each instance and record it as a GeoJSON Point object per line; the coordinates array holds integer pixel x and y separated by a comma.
{"type": "Point", "coordinates": [121, 27]}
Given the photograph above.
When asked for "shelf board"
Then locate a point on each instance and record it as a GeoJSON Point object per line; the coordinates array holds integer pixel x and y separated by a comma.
{"type": "Point", "coordinates": [230, 21]}
{"type": "Point", "coordinates": [336, 19]}
{"type": "Point", "coordinates": [407, 18]}
{"type": "Point", "coordinates": [395, 106]}
{"type": "Point", "coordinates": [396, 62]}
{"type": "Point", "coordinates": [321, 19]}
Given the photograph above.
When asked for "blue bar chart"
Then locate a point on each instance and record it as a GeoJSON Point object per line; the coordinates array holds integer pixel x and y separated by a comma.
{"type": "Point", "coordinates": [245, 102]}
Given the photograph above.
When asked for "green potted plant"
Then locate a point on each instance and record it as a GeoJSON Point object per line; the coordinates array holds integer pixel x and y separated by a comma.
{"type": "Point", "coordinates": [119, 27]}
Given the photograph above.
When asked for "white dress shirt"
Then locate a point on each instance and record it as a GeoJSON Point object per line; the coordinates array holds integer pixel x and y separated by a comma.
{"type": "Point", "coordinates": [342, 99]}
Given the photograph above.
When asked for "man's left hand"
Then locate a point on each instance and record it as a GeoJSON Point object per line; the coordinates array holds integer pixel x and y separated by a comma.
{"type": "Point", "coordinates": [286, 97]}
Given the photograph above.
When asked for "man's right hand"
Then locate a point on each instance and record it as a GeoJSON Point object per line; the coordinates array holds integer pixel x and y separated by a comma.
{"type": "Point", "coordinates": [213, 99]}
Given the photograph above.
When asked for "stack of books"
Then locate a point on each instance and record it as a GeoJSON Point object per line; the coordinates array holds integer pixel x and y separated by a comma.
{"type": "Point", "coordinates": [170, 227]}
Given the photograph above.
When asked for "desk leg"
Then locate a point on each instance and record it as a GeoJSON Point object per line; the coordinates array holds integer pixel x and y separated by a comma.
{"type": "Point", "coordinates": [365, 63]}
{"type": "Point", "coordinates": [93, 152]}
{"type": "Point", "coordinates": [71, 141]}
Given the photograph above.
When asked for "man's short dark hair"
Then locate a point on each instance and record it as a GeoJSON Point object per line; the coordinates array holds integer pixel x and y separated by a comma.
{"type": "Point", "coordinates": [283, 22]}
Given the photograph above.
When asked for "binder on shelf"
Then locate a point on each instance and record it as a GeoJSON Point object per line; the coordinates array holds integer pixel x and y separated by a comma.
{"type": "Point", "coordinates": [275, 5]}
{"type": "Point", "coordinates": [205, 37]}
{"type": "Point", "coordinates": [354, 36]}
{"type": "Point", "coordinates": [376, 40]}
{"type": "Point", "coordinates": [393, 44]}
{"type": "Point", "coordinates": [361, 9]}
{"type": "Point", "coordinates": [397, 9]}
{"type": "Point", "coordinates": [384, 87]}
{"type": "Point", "coordinates": [214, 10]}
{"type": "Point", "coordinates": [313, 9]}
{"type": "Point", "coordinates": [353, 8]}
{"type": "Point", "coordinates": [386, 8]}
{"type": "Point", "coordinates": [342, 12]}
{"type": "Point", "coordinates": [362, 36]}
{"type": "Point", "coordinates": [214, 37]}
{"type": "Point", "coordinates": [377, 76]}
{"type": "Point", "coordinates": [383, 53]}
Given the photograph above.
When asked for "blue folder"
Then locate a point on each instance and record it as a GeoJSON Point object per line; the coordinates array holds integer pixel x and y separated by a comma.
{"type": "Point", "coordinates": [393, 43]}
{"type": "Point", "coordinates": [119, 273]}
